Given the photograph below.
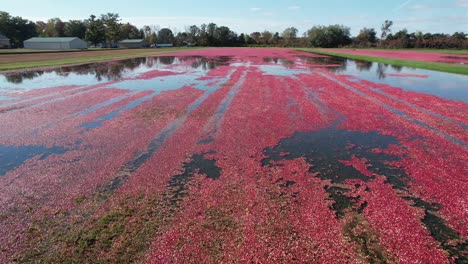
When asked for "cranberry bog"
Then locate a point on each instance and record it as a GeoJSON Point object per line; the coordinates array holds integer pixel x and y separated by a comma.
{"type": "Point", "coordinates": [233, 155]}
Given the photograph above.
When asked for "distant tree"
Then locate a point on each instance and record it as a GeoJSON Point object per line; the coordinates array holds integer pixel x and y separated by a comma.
{"type": "Point", "coordinates": [194, 33]}
{"type": "Point", "coordinates": [16, 29]}
{"type": "Point", "coordinates": [241, 39]}
{"type": "Point", "coordinates": [459, 35]}
{"type": "Point", "coordinates": [386, 29]}
{"type": "Point", "coordinates": [153, 38]}
{"type": "Point", "coordinates": [248, 40]}
{"type": "Point", "coordinates": [401, 39]}
{"type": "Point", "coordinates": [75, 28]}
{"type": "Point", "coordinates": [203, 36]}
{"type": "Point", "coordinates": [225, 37]}
{"type": "Point", "coordinates": [329, 36]}
{"type": "Point", "coordinates": [181, 39]}
{"type": "Point", "coordinates": [147, 31]}
{"type": "Point", "coordinates": [112, 25]}
{"type": "Point", "coordinates": [210, 31]}
{"type": "Point", "coordinates": [165, 35]}
{"type": "Point", "coordinates": [276, 39]}
{"type": "Point", "coordinates": [41, 28]}
{"type": "Point", "coordinates": [5, 20]}
{"type": "Point", "coordinates": [55, 27]}
{"type": "Point", "coordinates": [367, 37]}
{"type": "Point", "coordinates": [129, 31]}
{"type": "Point", "coordinates": [266, 37]}
{"type": "Point", "coordinates": [95, 30]}
{"type": "Point", "coordinates": [290, 33]}
{"type": "Point", "coordinates": [255, 36]}
{"type": "Point", "coordinates": [419, 40]}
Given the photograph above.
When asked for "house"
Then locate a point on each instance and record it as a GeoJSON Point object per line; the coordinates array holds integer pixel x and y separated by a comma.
{"type": "Point", "coordinates": [133, 43]}
{"type": "Point", "coordinates": [164, 45]}
{"type": "Point", "coordinates": [55, 43]}
{"type": "Point", "coordinates": [4, 42]}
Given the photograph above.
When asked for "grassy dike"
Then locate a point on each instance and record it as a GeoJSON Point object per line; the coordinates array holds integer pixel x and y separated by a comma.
{"type": "Point", "coordinates": [434, 66]}
{"type": "Point", "coordinates": [86, 57]}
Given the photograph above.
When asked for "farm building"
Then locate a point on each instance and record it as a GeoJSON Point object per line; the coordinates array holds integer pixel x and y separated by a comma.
{"type": "Point", "coordinates": [55, 43]}
{"type": "Point", "coordinates": [133, 43]}
{"type": "Point", "coordinates": [4, 42]}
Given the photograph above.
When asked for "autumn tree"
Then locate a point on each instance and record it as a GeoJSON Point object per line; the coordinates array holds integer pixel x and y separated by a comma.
{"type": "Point", "coordinates": [111, 22]}
{"type": "Point", "coordinates": [95, 30]}
{"type": "Point", "coordinates": [366, 37]}
{"type": "Point", "coordinates": [165, 35]}
{"type": "Point", "coordinates": [386, 29]}
{"type": "Point", "coordinates": [75, 28]}
{"type": "Point", "coordinates": [16, 29]}
{"type": "Point", "coordinates": [55, 27]}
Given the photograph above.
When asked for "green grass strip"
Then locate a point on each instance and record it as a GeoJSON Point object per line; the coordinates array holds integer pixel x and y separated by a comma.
{"type": "Point", "coordinates": [434, 66]}
{"type": "Point", "coordinates": [444, 51]}
{"type": "Point", "coordinates": [83, 60]}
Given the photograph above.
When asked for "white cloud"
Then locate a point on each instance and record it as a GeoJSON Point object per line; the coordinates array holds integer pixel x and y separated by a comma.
{"type": "Point", "coordinates": [294, 7]}
{"type": "Point", "coordinates": [461, 3]}
{"type": "Point", "coordinates": [255, 9]}
{"type": "Point", "coordinates": [268, 14]}
{"type": "Point", "coordinates": [419, 7]}
{"type": "Point", "coordinates": [403, 5]}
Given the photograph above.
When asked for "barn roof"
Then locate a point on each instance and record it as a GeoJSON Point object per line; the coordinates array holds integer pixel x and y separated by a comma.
{"type": "Point", "coordinates": [51, 40]}
{"type": "Point", "coordinates": [132, 41]}
{"type": "Point", "coordinates": [3, 37]}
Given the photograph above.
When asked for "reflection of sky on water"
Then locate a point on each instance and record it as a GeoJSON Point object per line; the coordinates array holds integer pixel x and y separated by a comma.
{"type": "Point", "coordinates": [441, 84]}
{"type": "Point", "coordinates": [445, 85]}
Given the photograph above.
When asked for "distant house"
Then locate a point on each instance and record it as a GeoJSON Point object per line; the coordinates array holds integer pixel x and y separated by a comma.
{"type": "Point", "coordinates": [4, 42]}
{"type": "Point", "coordinates": [164, 45]}
{"type": "Point", "coordinates": [55, 43]}
{"type": "Point", "coordinates": [133, 43]}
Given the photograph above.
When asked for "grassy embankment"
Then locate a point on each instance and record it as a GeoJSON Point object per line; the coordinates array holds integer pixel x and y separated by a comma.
{"type": "Point", "coordinates": [435, 66]}
{"type": "Point", "coordinates": [17, 61]}
{"type": "Point", "coordinates": [445, 51]}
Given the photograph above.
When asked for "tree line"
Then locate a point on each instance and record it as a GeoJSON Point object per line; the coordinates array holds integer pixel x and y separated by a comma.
{"type": "Point", "coordinates": [107, 30]}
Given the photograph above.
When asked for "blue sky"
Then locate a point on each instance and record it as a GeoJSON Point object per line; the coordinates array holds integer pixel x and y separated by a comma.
{"type": "Point", "coordinates": [445, 16]}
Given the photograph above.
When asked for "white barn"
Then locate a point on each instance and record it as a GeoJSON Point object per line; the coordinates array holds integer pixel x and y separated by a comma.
{"type": "Point", "coordinates": [55, 43]}
{"type": "Point", "coordinates": [4, 42]}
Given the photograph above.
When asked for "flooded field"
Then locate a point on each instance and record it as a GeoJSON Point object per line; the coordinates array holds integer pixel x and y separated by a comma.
{"type": "Point", "coordinates": [233, 155]}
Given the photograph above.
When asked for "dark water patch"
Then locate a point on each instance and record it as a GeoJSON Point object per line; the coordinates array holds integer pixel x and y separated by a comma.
{"type": "Point", "coordinates": [12, 157]}
{"type": "Point", "coordinates": [105, 190]}
{"type": "Point", "coordinates": [451, 241]}
{"type": "Point", "coordinates": [341, 201]}
{"type": "Point", "coordinates": [325, 148]}
{"type": "Point", "coordinates": [288, 184]}
{"type": "Point", "coordinates": [177, 190]}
